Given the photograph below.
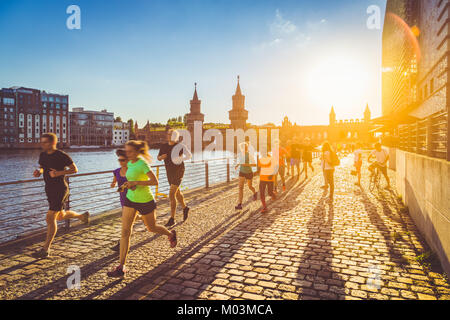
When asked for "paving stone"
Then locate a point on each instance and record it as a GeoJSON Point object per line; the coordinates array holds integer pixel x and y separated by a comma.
{"type": "Point", "coordinates": [304, 248]}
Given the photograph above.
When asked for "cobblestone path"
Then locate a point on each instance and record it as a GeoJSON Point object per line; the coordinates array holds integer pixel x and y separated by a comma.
{"type": "Point", "coordinates": [363, 246]}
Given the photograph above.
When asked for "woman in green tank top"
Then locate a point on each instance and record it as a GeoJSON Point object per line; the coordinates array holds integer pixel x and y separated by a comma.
{"type": "Point", "coordinates": [140, 199]}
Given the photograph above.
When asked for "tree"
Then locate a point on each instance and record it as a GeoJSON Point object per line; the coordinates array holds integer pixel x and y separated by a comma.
{"type": "Point", "coordinates": [118, 119]}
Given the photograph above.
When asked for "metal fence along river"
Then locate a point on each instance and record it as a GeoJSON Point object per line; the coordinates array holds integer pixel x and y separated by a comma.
{"type": "Point", "coordinates": [23, 204]}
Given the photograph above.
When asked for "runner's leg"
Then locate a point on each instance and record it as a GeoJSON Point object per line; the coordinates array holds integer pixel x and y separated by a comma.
{"type": "Point", "coordinates": [262, 193]}
{"type": "Point", "coordinates": [67, 215]}
{"type": "Point", "coordinates": [150, 223]}
{"type": "Point", "coordinates": [128, 217]}
{"type": "Point", "coordinates": [180, 198]}
{"type": "Point", "coordinates": [250, 186]}
{"type": "Point", "coordinates": [52, 227]}
{"type": "Point", "coordinates": [241, 189]}
{"type": "Point", "coordinates": [173, 200]}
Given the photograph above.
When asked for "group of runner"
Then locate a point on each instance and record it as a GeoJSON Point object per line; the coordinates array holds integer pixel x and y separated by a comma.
{"type": "Point", "coordinates": [282, 162]}
{"type": "Point", "coordinates": [133, 178]}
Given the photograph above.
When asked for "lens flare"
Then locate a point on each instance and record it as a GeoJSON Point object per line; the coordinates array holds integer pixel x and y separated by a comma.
{"type": "Point", "coordinates": [411, 33]}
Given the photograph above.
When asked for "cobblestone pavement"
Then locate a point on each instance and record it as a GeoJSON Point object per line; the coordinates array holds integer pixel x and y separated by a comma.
{"type": "Point", "coordinates": [363, 246]}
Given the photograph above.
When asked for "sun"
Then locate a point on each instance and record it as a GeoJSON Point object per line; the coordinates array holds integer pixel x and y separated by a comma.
{"type": "Point", "coordinates": [339, 80]}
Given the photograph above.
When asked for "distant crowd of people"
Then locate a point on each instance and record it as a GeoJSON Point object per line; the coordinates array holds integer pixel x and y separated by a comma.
{"type": "Point", "coordinates": [134, 178]}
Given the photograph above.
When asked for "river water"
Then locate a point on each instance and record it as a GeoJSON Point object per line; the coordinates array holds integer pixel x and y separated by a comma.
{"type": "Point", "coordinates": [20, 164]}
{"type": "Point", "coordinates": [23, 206]}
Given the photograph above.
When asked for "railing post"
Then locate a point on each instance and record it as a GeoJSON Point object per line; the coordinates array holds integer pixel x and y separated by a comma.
{"type": "Point", "coordinates": [228, 171]}
{"type": "Point", "coordinates": [206, 175]}
{"type": "Point", "coordinates": [68, 203]}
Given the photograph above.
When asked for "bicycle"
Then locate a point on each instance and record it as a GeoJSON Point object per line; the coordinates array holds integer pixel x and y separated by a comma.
{"type": "Point", "coordinates": [375, 178]}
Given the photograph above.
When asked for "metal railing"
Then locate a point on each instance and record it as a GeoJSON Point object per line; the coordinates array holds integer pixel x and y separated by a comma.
{"type": "Point", "coordinates": [427, 136]}
{"type": "Point", "coordinates": [23, 203]}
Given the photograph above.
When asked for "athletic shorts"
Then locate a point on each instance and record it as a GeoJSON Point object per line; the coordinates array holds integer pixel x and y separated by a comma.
{"type": "Point", "coordinates": [142, 208]}
{"type": "Point", "coordinates": [248, 176]}
{"type": "Point", "coordinates": [57, 198]}
{"type": "Point", "coordinates": [175, 176]}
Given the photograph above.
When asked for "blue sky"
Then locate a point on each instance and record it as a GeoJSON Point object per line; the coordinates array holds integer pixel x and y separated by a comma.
{"type": "Point", "coordinates": [140, 59]}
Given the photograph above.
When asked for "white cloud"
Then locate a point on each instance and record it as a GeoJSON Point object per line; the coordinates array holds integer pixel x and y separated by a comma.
{"type": "Point", "coordinates": [285, 31]}
{"type": "Point", "coordinates": [281, 26]}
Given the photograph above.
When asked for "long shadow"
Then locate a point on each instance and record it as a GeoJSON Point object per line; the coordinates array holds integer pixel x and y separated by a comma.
{"type": "Point", "coordinates": [315, 272]}
{"type": "Point", "coordinates": [205, 273]}
{"type": "Point", "coordinates": [58, 285]}
{"type": "Point", "coordinates": [376, 220]}
{"type": "Point", "coordinates": [7, 249]}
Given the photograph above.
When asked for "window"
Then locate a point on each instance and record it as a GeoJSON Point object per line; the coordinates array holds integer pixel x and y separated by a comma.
{"type": "Point", "coordinates": [8, 101]}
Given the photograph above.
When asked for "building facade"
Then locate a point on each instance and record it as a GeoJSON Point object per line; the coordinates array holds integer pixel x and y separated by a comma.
{"type": "Point", "coordinates": [121, 133]}
{"type": "Point", "coordinates": [337, 131]}
{"type": "Point", "coordinates": [27, 113]}
{"type": "Point", "coordinates": [91, 128]}
{"type": "Point", "coordinates": [8, 119]}
{"type": "Point", "coordinates": [415, 89]}
{"type": "Point", "coordinates": [55, 116]}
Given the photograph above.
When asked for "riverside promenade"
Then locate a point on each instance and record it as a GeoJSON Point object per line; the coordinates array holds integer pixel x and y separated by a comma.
{"type": "Point", "coordinates": [363, 246]}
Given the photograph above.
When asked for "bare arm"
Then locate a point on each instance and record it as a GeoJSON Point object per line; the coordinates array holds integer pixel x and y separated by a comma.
{"type": "Point", "coordinates": [113, 183]}
{"type": "Point", "coordinates": [37, 173]}
{"type": "Point", "coordinates": [153, 181]}
{"type": "Point", "coordinates": [187, 155]}
{"type": "Point", "coordinates": [69, 170]}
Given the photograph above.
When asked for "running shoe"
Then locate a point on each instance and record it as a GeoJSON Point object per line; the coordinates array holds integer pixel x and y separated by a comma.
{"type": "Point", "coordinates": [117, 272]}
{"type": "Point", "coordinates": [41, 254]}
{"type": "Point", "coordinates": [255, 196]}
{"type": "Point", "coordinates": [185, 213]}
{"type": "Point", "coordinates": [238, 207]}
{"type": "Point", "coordinates": [171, 222]}
{"type": "Point", "coordinates": [85, 217]}
{"type": "Point", "coordinates": [173, 239]}
{"type": "Point", "coordinates": [264, 210]}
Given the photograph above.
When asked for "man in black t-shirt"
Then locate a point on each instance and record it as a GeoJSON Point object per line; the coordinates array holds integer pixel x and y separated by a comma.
{"type": "Point", "coordinates": [55, 164]}
{"type": "Point", "coordinates": [174, 154]}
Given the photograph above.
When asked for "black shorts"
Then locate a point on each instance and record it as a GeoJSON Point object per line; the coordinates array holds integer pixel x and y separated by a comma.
{"type": "Point", "coordinates": [175, 176]}
{"type": "Point", "coordinates": [57, 198]}
{"type": "Point", "coordinates": [248, 176]}
{"type": "Point", "coordinates": [142, 208]}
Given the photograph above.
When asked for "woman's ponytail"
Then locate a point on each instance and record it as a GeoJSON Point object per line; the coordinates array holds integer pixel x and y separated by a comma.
{"type": "Point", "coordinates": [142, 148]}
